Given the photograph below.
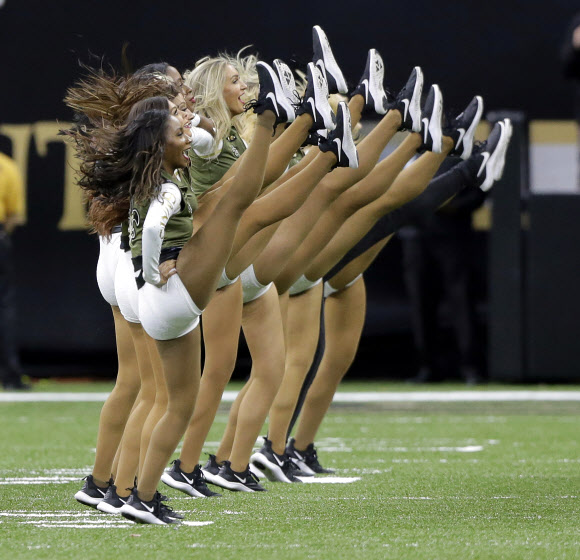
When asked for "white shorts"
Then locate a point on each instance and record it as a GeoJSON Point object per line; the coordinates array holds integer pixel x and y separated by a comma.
{"type": "Point", "coordinates": [109, 253]}
{"type": "Point", "coordinates": [126, 288]}
{"type": "Point", "coordinates": [329, 290]}
{"type": "Point", "coordinates": [225, 281]}
{"type": "Point", "coordinates": [250, 285]}
{"type": "Point", "coordinates": [303, 285]}
{"type": "Point", "coordinates": [167, 312]}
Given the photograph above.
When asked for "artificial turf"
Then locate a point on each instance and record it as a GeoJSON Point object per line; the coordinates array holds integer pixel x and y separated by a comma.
{"type": "Point", "coordinates": [436, 480]}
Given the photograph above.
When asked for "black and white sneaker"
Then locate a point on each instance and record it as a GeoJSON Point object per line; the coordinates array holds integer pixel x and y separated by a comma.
{"type": "Point", "coordinates": [272, 95]}
{"type": "Point", "coordinates": [237, 481]}
{"type": "Point", "coordinates": [432, 113]}
{"type": "Point", "coordinates": [168, 511]}
{"type": "Point", "coordinates": [112, 502]}
{"type": "Point", "coordinates": [315, 101]}
{"type": "Point", "coordinates": [500, 164]}
{"type": "Point", "coordinates": [408, 101]}
{"type": "Point", "coordinates": [491, 155]}
{"type": "Point", "coordinates": [324, 59]}
{"type": "Point", "coordinates": [340, 140]}
{"type": "Point", "coordinates": [256, 471]}
{"type": "Point", "coordinates": [192, 483]}
{"type": "Point", "coordinates": [272, 464]}
{"type": "Point", "coordinates": [287, 81]}
{"type": "Point", "coordinates": [91, 494]}
{"type": "Point", "coordinates": [211, 468]}
{"type": "Point", "coordinates": [462, 129]}
{"type": "Point", "coordinates": [307, 460]}
{"type": "Point", "coordinates": [370, 85]}
{"type": "Point", "coordinates": [153, 512]}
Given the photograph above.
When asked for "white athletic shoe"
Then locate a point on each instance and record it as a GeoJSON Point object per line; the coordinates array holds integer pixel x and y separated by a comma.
{"type": "Point", "coordinates": [315, 101]}
{"type": "Point", "coordinates": [340, 140]}
{"type": "Point", "coordinates": [370, 85]}
{"type": "Point", "coordinates": [324, 59]}
{"type": "Point", "coordinates": [432, 114]}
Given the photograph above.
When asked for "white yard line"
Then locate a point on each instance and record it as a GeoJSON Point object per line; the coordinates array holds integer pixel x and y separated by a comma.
{"type": "Point", "coordinates": [344, 397]}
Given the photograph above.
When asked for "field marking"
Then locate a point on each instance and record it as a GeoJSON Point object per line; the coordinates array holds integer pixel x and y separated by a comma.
{"type": "Point", "coordinates": [329, 479]}
{"type": "Point", "coordinates": [76, 520]}
{"type": "Point", "coordinates": [343, 397]}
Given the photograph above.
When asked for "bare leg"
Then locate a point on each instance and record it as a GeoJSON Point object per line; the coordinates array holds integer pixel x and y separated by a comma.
{"type": "Point", "coordinates": [225, 448]}
{"type": "Point", "coordinates": [279, 204]}
{"type": "Point", "coordinates": [221, 331]}
{"type": "Point", "coordinates": [117, 407]}
{"type": "Point", "coordinates": [344, 320]}
{"type": "Point", "coordinates": [281, 151]}
{"type": "Point", "coordinates": [409, 183]}
{"type": "Point", "coordinates": [365, 191]}
{"type": "Point", "coordinates": [181, 364]}
{"type": "Point", "coordinates": [160, 404]}
{"type": "Point", "coordinates": [302, 337]}
{"type": "Point", "coordinates": [262, 324]}
{"type": "Point", "coordinates": [129, 456]}
{"type": "Point", "coordinates": [202, 260]}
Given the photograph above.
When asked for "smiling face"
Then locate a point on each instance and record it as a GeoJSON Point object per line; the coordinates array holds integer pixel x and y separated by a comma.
{"type": "Point", "coordinates": [233, 92]}
{"type": "Point", "coordinates": [174, 75]}
{"type": "Point", "coordinates": [178, 107]}
{"type": "Point", "coordinates": [177, 142]}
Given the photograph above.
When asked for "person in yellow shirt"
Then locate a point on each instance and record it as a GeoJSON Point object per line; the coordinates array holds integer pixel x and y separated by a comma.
{"type": "Point", "coordinates": [11, 215]}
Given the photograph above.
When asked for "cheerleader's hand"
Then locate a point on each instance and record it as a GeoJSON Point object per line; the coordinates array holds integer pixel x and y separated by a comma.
{"type": "Point", "coordinates": [167, 270]}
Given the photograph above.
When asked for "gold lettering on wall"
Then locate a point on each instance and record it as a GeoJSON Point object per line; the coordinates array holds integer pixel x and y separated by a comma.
{"type": "Point", "coordinates": [45, 133]}
{"type": "Point", "coordinates": [73, 215]}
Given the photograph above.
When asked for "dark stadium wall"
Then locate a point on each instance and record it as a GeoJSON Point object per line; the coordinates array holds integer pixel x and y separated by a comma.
{"type": "Point", "coordinates": [506, 51]}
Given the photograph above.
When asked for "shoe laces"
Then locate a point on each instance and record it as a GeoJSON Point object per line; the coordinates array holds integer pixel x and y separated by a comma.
{"type": "Point", "coordinates": [198, 476]}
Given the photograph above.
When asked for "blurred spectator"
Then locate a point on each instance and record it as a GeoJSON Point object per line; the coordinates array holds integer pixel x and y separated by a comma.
{"type": "Point", "coordinates": [436, 259]}
{"type": "Point", "coordinates": [11, 215]}
{"type": "Point", "coordinates": [571, 61]}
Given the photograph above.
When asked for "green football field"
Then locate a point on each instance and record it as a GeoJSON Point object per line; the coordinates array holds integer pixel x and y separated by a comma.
{"type": "Point", "coordinates": [435, 480]}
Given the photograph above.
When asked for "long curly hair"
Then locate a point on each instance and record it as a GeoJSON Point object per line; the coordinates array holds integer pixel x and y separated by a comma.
{"type": "Point", "coordinates": [119, 164]}
{"type": "Point", "coordinates": [207, 81]}
{"type": "Point", "coordinates": [107, 98]}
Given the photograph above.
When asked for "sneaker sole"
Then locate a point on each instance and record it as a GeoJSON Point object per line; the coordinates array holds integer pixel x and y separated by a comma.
{"type": "Point", "coordinates": [321, 103]}
{"type": "Point", "coordinates": [303, 466]}
{"type": "Point", "coordinates": [328, 56]}
{"type": "Point", "coordinates": [492, 162]}
{"type": "Point", "coordinates": [87, 500]}
{"type": "Point", "coordinates": [273, 472]}
{"type": "Point", "coordinates": [376, 85]}
{"type": "Point", "coordinates": [348, 145]}
{"type": "Point", "coordinates": [470, 133]}
{"type": "Point", "coordinates": [234, 486]}
{"type": "Point", "coordinates": [181, 486]}
{"type": "Point", "coordinates": [108, 508]}
{"type": "Point", "coordinates": [281, 100]}
{"type": "Point", "coordinates": [256, 471]}
{"type": "Point", "coordinates": [208, 476]}
{"type": "Point", "coordinates": [129, 512]}
{"type": "Point", "coordinates": [435, 129]}
{"type": "Point", "coordinates": [415, 104]}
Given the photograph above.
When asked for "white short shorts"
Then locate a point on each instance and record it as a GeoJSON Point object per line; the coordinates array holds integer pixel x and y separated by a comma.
{"type": "Point", "coordinates": [225, 281]}
{"type": "Point", "coordinates": [167, 312]}
{"type": "Point", "coordinates": [126, 288]}
{"type": "Point", "coordinates": [252, 288]}
{"type": "Point", "coordinates": [109, 253]}
{"type": "Point", "coordinates": [303, 285]}
{"type": "Point", "coordinates": [329, 290]}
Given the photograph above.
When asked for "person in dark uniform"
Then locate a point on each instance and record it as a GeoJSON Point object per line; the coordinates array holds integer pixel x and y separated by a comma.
{"type": "Point", "coordinates": [436, 259]}
{"type": "Point", "coordinates": [571, 66]}
{"type": "Point", "coordinates": [11, 215]}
